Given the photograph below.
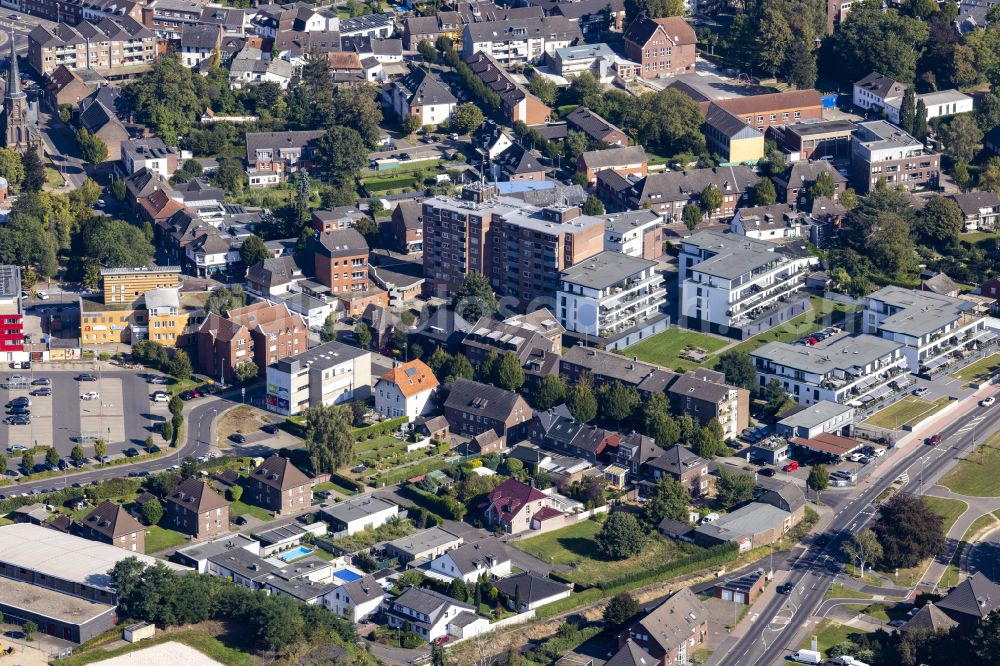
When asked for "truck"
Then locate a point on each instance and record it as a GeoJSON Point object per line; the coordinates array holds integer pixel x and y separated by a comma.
{"type": "Point", "coordinates": [807, 657]}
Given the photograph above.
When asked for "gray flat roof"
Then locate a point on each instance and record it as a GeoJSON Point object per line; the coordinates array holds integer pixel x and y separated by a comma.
{"type": "Point", "coordinates": [428, 539]}
{"type": "Point", "coordinates": [282, 532]}
{"type": "Point", "coordinates": [820, 127]}
{"type": "Point", "coordinates": [324, 356]}
{"type": "Point", "coordinates": [753, 518]}
{"type": "Point", "coordinates": [815, 414]}
{"type": "Point", "coordinates": [50, 603]}
{"type": "Point", "coordinates": [922, 312]}
{"type": "Point", "coordinates": [842, 353]}
{"type": "Point", "coordinates": [605, 269]}
{"type": "Point", "coordinates": [633, 219]}
{"type": "Point", "coordinates": [356, 508]}
{"type": "Point", "coordinates": [203, 551]}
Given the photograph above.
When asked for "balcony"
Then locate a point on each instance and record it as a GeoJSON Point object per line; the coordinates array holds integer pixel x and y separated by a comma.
{"type": "Point", "coordinates": [791, 282]}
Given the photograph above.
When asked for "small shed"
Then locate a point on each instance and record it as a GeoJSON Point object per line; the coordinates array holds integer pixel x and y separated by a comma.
{"type": "Point", "coordinates": [134, 633]}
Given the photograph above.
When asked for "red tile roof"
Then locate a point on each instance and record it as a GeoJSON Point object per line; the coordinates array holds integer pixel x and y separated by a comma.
{"type": "Point", "coordinates": [511, 496]}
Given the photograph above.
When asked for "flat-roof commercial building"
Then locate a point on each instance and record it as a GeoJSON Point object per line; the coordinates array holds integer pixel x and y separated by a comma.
{"type": "Point", "coordinates": [936, 330]}
{"type": "Point", "coordinates": [817, 139]}
{"type": "Point", "coordinates": [740, 286]}
{"type": "Point", "coordinates": [11, 317]}
{"type": "Point", "coordinates": [882, 151]}
{"type": "Point", "coordinates": [59, 581]}
{"type": "Point", "coordinates": [325, 375]}
{"type": "Point", "coordinates": [612, 296]}
{"type": "Point", "coordinates": [359, 513]}
{"type": "Point", "coordinates": [855, 370]}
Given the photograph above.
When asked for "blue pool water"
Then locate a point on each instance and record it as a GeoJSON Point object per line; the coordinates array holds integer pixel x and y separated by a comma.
{"type": "Point", "coordinates": [295, 554]}
{"type": "Point", "coordinates": [346, 575]}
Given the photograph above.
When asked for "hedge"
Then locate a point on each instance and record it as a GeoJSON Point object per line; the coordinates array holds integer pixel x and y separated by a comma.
{"type": "Point", "coordinates": [446, 507]}
{"type": "Point", "coordinates": [347, 482]}
{"type": "Point", "coordinates": [711, 557]}
{"type": "Point", "coordinates": [376, 429]}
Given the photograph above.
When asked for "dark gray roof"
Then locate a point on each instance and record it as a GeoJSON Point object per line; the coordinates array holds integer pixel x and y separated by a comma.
{"type": "Point", "coordinates": [644, 376]}
{"type": "Point", "coordinates": [485, 400]}
{"type": "Point", "coordinates": [677, 460]}
{"type": "Point", "coordinates": [881, 85]}
{"type": "Point", "coordinates": [274, 140]}
{"type": "Point", "coordinates": [702, 384]}
{"type": "Point", "coordinates": [971, 202]}
{"type": "Point", "coordinates": [272, 272]}
{"type": "Point", "coordinates": [929, 617]}
{"type": "Point", "coordinates": [422, 87]}
{"type": "Point", "coordinates": [556, 28]}
{"type": "Point", "coordinates": [590, 123]}
{"type": "Point", "coordinates": [428, 602]}
{"type": "Point", "coordinates": [683, 185]}
{"type": "Point", "coordinates": [533, 587]}
{"type": "Point", "coordinates": [631, 654]}
{"type": "Point", "coordinates": [613, 157]}
{"type": "Point", "coordinates": [202, 37]}
{"type": "Point", "coordinates": [364, 589]}
{"type": "Point", "coordinates": [800, 174]}
{"type": "Point", "coordinates": [728, 124]}
{"type": "Point", "coordinates": [673, 621]}
{"type": "Point", "coordinates": [341, 242]}
{"type": "Point", "coordinates": [474, 556]}
{"type": "Point", "coordinates": [976, 596]}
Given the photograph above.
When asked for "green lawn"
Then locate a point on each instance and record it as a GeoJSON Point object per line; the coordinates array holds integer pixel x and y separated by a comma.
{"type": "Point", "coordinates": [198, 639]}
{"type": "Point", "coordinates": [575, 547]}
{"type": "Point", "coordinates": [409, 471]}
{"type": "Point", "coordinates": [241, 508]}
{"type": "Point", "coordinates": [978, 474]}
{"type": "Point", "coordinates": [949, 509]}
{"type": "Point", "coordinates": [981, 369]}
{"type": "Point", "coordinates": [666, 348]}
{"type": "Point", "coordinates": [838, 591]}
{"type": "Point", "coordinates": [828, 633]}
{"type": "Point", "coordinates": [976, 237]}
{"type": "Point", "coordinates": [331, 485]}
{"type": "Point", "coordinates": [882, 611]}
{"type": "Point", "coordinates": [380, 443]}
{"type": "Point", "coordinates": [367, 538]}
{"type": "Point", "coordinates": [907, 411]}
{"type": "Point", "coordinates": [53, 178]}
{"type": "Point", "coordinates": [950, 577]}
{"type": "Point", "coordinates": [824, 313]}
{"type": "Point", "coordinates": [158, 538]}
{"type": "Point", "coordinates": [382, 184]}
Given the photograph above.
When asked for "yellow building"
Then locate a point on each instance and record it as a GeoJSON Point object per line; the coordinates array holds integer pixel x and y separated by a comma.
{"type": "Point", "coordinates": [731, 139]}
{"type": "Point", "coordinates": [127, 285]}
{"type": "Point", "coordinates": [166, 315]}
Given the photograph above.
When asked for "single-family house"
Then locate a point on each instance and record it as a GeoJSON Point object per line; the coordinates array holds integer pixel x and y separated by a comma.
{"type": "Point", "coordinates": [406, 390]}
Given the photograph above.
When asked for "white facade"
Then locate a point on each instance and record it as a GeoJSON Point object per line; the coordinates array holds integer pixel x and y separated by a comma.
{"type": "Point", "coordinates": [624, 232]}
{"type": "Point", "coordinates": [776, 230]}
{"type": "Point", "coordinates": [941, 103]}
{"type": "Point", "coordinates": [391, 402]}
{"type": "Point", "coordinates": [446, 566]}
{"type": "Point", "coordinates": [316, 378]}
{"type": "Point", "coordinates": [360, 513]}
{"type": "Point", "coordinates": [341, 603]}
{"type": "Point", "coordinates": [192, 56]}
{"type": "Point", "coordinates": [609, 293]}
{"type": "Point", "coordinates": [429, 114]}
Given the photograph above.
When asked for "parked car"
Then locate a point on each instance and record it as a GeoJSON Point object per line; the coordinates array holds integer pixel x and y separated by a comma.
{"type": "Point", "coordinates": [158, 379]}
{"type": "Point", "coordinates": [16, 448]}
{"type": "Point", "coordinates": [86, 377]}
{"type": "Point", "coordinates": [19, 419]}
{"type": "Point", "coordinates": [19, 401]}
{"type": "Point", "coordinates": [270, 428]}
{"type": "Point", "coordinates": [186, 395]}
{"type": "Point", "coordinates": [131, 452]}
{"type": "Point", "coordinates": [42, 381]}
{"type": "Point", "coordinates": [790, 467]}
{"type": "Point", "coordinates": [41, 295]}
{"type": "Point", "coordinates": [42, 392]}
{"type": "Point", "coordinates": [21, 365]}
{"type": "Point", "coordinates": [240, 520]}
{"type": "Point", "coordinates": [237, 437]}
{"type": "Point", "coordinates": [161, 396]}
{"type": "Point", "coordinates": [89, 395]}
{"type": "Point", "coordinates": [767, 471]}
{"type": "Point", "coordinates": [920, 391]}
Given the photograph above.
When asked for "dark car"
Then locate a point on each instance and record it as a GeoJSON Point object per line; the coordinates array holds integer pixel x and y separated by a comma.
{"type": "Point", "coordinates": [131, 453]}
{"type": "Point", "coordinates": [187, 395]}
{"type": "Point", "coordinates": [18, 420]}
{"type": "Point", "coordinates": [42, 381]}
{"type": "Point", "coordinates": [767, 471]}
{"type": "Point", "coordinates": [238, 438]}
{"type": "Point", "coordinates": [86, 377]}
{"type": "Point", "coordinates": [404, 156]}
{"type": "Point", "coordinates": [18, 410]}
{"type": "Point", "coordinates": [785, 588]}
{"type": "Point", "coordinates": [934, 440]}
{"type": "Point", "coordinates": [19, 401]}
{"type": "Point", "coordinates": [240, 520]}
{"type": "Point", "coordinates": [196, 393]}
{"type": "Point", "coordinates": [42, 392]}
{"type": "Point", "coordinates": [270, 428]}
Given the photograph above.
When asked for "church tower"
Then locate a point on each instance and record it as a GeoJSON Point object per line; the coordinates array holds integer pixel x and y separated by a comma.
{"type": "Point", "coordinates": [17, 133]}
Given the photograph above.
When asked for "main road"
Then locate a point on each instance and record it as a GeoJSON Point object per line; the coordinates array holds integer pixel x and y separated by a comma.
{"type": "Point", "coordinates": [816, 569]}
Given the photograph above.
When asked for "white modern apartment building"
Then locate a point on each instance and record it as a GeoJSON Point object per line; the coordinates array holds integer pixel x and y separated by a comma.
{"type": "Point", "coordinates": [939, 103]}
{"type": "Point", "coordinates": [855, 370]}
{"type": "Point", "coordinates": [610, 293]}
{"type": "Point", "coordinates": [634, 232]}
{"type": "Point", "coordinates": [519, 41]}
{"type": "Point", "coordinates": [325, 375]}
{"type": "Point", "coordinates": [740, 286]}
{"type": "Point", "coordinates": [935, 330]}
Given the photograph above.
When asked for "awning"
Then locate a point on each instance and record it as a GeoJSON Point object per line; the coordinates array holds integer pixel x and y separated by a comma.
{"type": "Point", "coordinates": [880, 392]}
{"type": "Point", "coordinates": [936, 363]}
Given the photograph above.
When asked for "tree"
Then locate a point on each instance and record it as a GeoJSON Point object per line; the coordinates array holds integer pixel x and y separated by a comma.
{"type": "Point", "coordinates": [773, 38]}
{"type": "Point", "coordinates": [774, 395]}
{"type": "Point", "coordinates": [253, 251]}
{"type": "Point", "coordinates": [543, 88]}
{"type": "Point", "coordinates": [118, 189]}
{"type": "Point", "coordinates": [246, 371]}
{"type": "Point", "coordinates": [427, 51]}
{"type": "Point", "coordinates": [691, 216]}
{"type": "Point", "coordinates": [92, 148]}
{"type": "Point", "coordinates": [152, 511]}
{"type": "Point", "coordinates": [708, 442]}
{"type": "Point", "coordinates": [620, 610]}
{"type": "Point", "coordinates": [329, 330]}
{"type": "Point", "coordinates": [410, 124]}
{"type": "Point", "coordinates": [620, 537]}
{"type": "Point", "coordinates": [989, 177]}
{"type": "Point", "coordinates": [328, 437]}
{"type": "Point", "coordinates": [230, 175]}
{"type": "Point", "coordinates": [819, 478]}
{"type": "Point", "coordinates": [180, 365]}
{"type": "Point", "coordinates": [77, 455]}
{"type": "Point", "coordinates": [711, 199]}
{"type": "Point", "coordinates": [763, 193]}
{"type": "Point", "coordinates": [548, 392]}
{"type": "Point", "coordinates": [920, 130]}
{"type": "Point", "coordinates": [823, 186]}
{"type": "Point", "coordinates": [466, 119]}
{"type": "Point", "coordinates": [863, 547]}
{"type": "Point", "coordinates": [51, 456]}
{"type": "Point", "coordinates": [871, 40]}
{"type": "Point", "coordinates": [510, 375]}
{"type": "Point", "coordinates": [658, 422]}
{"type": "Point", "coordinates": [618, 401]}
{"type": "Point", "coordinates": [34, 172]}
{"type": "Point", "coordinates": [487, 370]}
{"type": "Point", "coordinates": [940, 222]}
{"type": "Point", "coordinates": [908, 110]}
{"type": "Point", "coordinates": [593, 206]}
{"type": "Point", "coordinates": [909, 531]}
{"type": "Point", "coordinates": [734, 488]}
{"type": "Point", "coordinates": [221, 301]}
{"type": "Point", "coordinates": [475, 298]}
{"type": "Point", "coordinates": [459, 368]}
{"type": "Point", "coordinates": [28, 461]}
{"type": "Point", "coordinates": [667, 499]}
{"type": "Point", "coordinates": [960, 172]}
{"type": "Point", "coordinates": [575, 144]}
{"type": "Point", "coordinates": [167, 431]}
{"type": "Point", "coordinates": [738, 368]}
{"type": "Point", "coordinates": [668, 122]}
{"type": "Point", "coordinates": [438, 361]}
{"type": "Point", "coordinates": [849, 199]}
{"type": "Point", "coordinates": [177, 423]}
{"type": "Point", "coordinates": [11, 167]}
{"type": "Point", "coordinates": [581, 402]}
{"type": "Point", "coordinates": [653, 9]}
{"type": "Point", "coordinates": [28, 629]}
{"type": "Point", "coordinates": [362, 334]}
{"type": "Point", "coordinates": [961, 137]}
{"type": "Point", "coordinates": [234, 493]}
{"type": "Point", "coordinates": [148, 444]}
{"type": "Point", "coordinates": [340, 154]}
{"type": "Point", "coordinates": [3, 470]}
{"type": "Point", "coordinates": [800, 64]}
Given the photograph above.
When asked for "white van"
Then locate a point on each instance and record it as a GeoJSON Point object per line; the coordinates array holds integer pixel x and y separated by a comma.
{"type": "Point", "coordinates": [807, 657]}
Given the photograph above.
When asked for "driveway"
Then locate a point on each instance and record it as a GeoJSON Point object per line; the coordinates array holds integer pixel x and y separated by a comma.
{"type": "Point", "coordinates": [398, 656]}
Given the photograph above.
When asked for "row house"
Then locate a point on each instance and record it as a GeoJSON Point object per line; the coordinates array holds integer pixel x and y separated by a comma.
{"type": "Point", "coordinates": [592, 16]}
{"type": "Point", "coordinates": [705, 395]}
{"type": "Point", "coordinates": [669, 192]}
{"type": "Point", "coordinates": [516, 103]}
{"type": "Point", "coordinates": [113, 47]}
{"type": "Point", "coordinates": [71, 12]}
{"type": "Point", "coordinates": [526, 336]}
{"type": "Point", "coordinates": [418, 29]}
{"type": "Point", "coordinates": [170, 17]}
{"type": "Point", "coordinates": [604, 367]}
{"type": "Point", "coordinates": [561, 433]}
{"type": "Point", "coordinates": [473, 408]}
{"type": "Point", "coordinates": [262, 332]}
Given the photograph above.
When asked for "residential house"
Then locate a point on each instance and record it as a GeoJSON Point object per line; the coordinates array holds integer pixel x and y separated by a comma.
{"type": "Point", "coordinates": [938, 103]}
{"type": "Point", "coordinates": [473, 408]}
{"type": "Point", "coordinates": [673, 631]}
{"type": "Point", "coordinates": [279, 486]}
{"type": "Point", "coordinates": [102, 123]}
{"type": "Point", "coordinates": [118, 47]}
{"type": "Point", "coordinates": [489, 557]}
{"type": "Point", "coordinates": [631, 654]}
{"type": "Point", "coordinates": [195, 509]}
{"type": "Point", "coordinates": [517, 163]}
{"type": "Point", "coordinates": [595, 127]}
{"type": "Point", "coordinates": [331, 373]}
{"type": "Point", "coordinates": [357, 514]}
{"type": "Point", "coordinates": [980, 209]}
{"type": "Point", "coordinates": [407, 228]}
{"type": "Point", "coordinates": [597, 59]}
{"type": "Point", "coordinates": [626, 161]}
{"type": "Point", "coordinates": [970, 602]}
{"type": "Point", "coordinates": [66, 87]}
{"type": "Point", "coordinates": [200, 43]}
{"type": "Point", "coordinates": [263, 332]}
{"type": "Point", "coordinates": [533, 589]}
{"type": "Point", "coordinates": [516, 103]}
{"type": "Point", "coordinates": [356, 600]}
{"type": "Point", "coordinates": [605, 367]}
{"type": "Point", "coordinates": [820, 417]}
{"type": "Point", "coordinates": [374, 26]}
{"type": "Point", "coordinates": [794, 183]}
{"type": "Point", "coordinates": [406, 390]}
{"type": "Point", "coordinates": [637, 233]}
{"type": "Point", "coordinates": [340, 260]}
{"type": "Point", "coordinates": [429, 614]}
{"type": "Point", "coordinates": [753, 525]}
{"type": "Point", "coordinates": [685, 467]}
{"type": "Point", "coordinates": [882, 152]}
{"type": "Point", "coordinates": [109, 522]}
{"type": "Point", "coordinates": [777, 223]}
{"type": "Point", "coordinates": [662, 47]}
{"type": "Point", "coordinates": [518, 334]}
{"type": "Point", "coordinates": [705, 395]}
{"type": "Point", "coordinates": [271, 156]}
{"type": "Point", "coordinates": [423, 546]}
{"type": "Point", "coordinates": [876, 90]}
{"type": "Point", "coordinates": [511, 505]}
{"type": "Point", "coordinates": [149, 153]}
{"type": "Point", "coordinates": [422, 95]}
{"type": "Point", "coordinates": [669, 192]}
{"type": "Point", "coordinates": [248, 67]}
{"type": "Point", "coordinates": [593, 16]}
{"type": "Point", "coordinates": [418, 29]}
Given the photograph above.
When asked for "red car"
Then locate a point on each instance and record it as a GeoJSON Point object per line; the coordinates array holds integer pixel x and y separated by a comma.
{"type": "Point", "coordinates": [934, 441]}
{"type": "Point", "coordinates": [790, 467]}
{"type": "Point", "coordinates": [441, 640]}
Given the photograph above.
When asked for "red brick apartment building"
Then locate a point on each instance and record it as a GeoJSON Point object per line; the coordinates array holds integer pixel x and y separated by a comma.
{"type": "Point", "coordinates": [194, 508]}
{"type": "Point", "coordinates": [263, 332]}
{"type": "Point", "coordinates": [662, 47]}
{"type": "Point", "coordinates": [516, 102]}
{"type": "Point", "coordinates": [279, 486]}
{"type": "Point", "coordinates": [340, 260]}
{"type": "Point", "coordinates": [109, 522]}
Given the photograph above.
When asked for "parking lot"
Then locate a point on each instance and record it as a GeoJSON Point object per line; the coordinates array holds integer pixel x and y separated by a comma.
{"type": "Point", "coordinates": [122, 414]}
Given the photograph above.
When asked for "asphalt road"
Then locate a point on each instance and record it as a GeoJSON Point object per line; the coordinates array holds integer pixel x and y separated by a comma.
{"type": "Point", "coordinates": [815, 570]}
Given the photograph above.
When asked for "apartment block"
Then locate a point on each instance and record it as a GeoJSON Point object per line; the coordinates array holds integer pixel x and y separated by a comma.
{"type": "Point", "coordinates": [125, 285]}
{"type": "Point", "coordinates": [638, 233]}
{"type": "Point", "coordinates": [521, 248]}
{"type": "Point", "coordinates": [705, 395]}
{"type": "Point", "coordinates": [612, 296]}
{"type": "Point", "coordinates": [936, 331]}
{"type": "Point", "coordinates": [340, 260]}
{"type": "Point", "coordinates": [667, 193]}
{"type": "Point", "coordinates": [519, 41]}
{"type": "Point", "coordinates": [329, 374]}
{"type": "Point", "coordinates": [880, 150]}
{"type": "Point", "coordinates": [113, 47]}
{"type": "Point", "coordinates": [262, 332]}
{"type": "Point", "coordinates": [738, 286]}
{"type": "Point", "coordinates": [856, 370]}
{"type": "Point", "coordinates": [279, 486]}
{"type": "Point", "coordinates": [195, 509]}
{"type": "Point", "coordinates": [271, 156]}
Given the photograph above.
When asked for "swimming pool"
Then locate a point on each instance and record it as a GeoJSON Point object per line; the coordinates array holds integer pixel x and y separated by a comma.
{"type": "Point", "coordinates": [346, 575]}
{"type": "Point", "coordinates": [295, 554]}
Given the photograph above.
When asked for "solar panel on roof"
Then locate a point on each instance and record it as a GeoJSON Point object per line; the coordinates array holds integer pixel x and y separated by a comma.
{"type": "Point", "coordinates": [410, 372]}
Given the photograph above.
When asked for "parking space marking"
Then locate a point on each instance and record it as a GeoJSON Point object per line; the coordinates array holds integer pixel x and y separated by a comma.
{"type": "Point", "coordinates": [103, 417]}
